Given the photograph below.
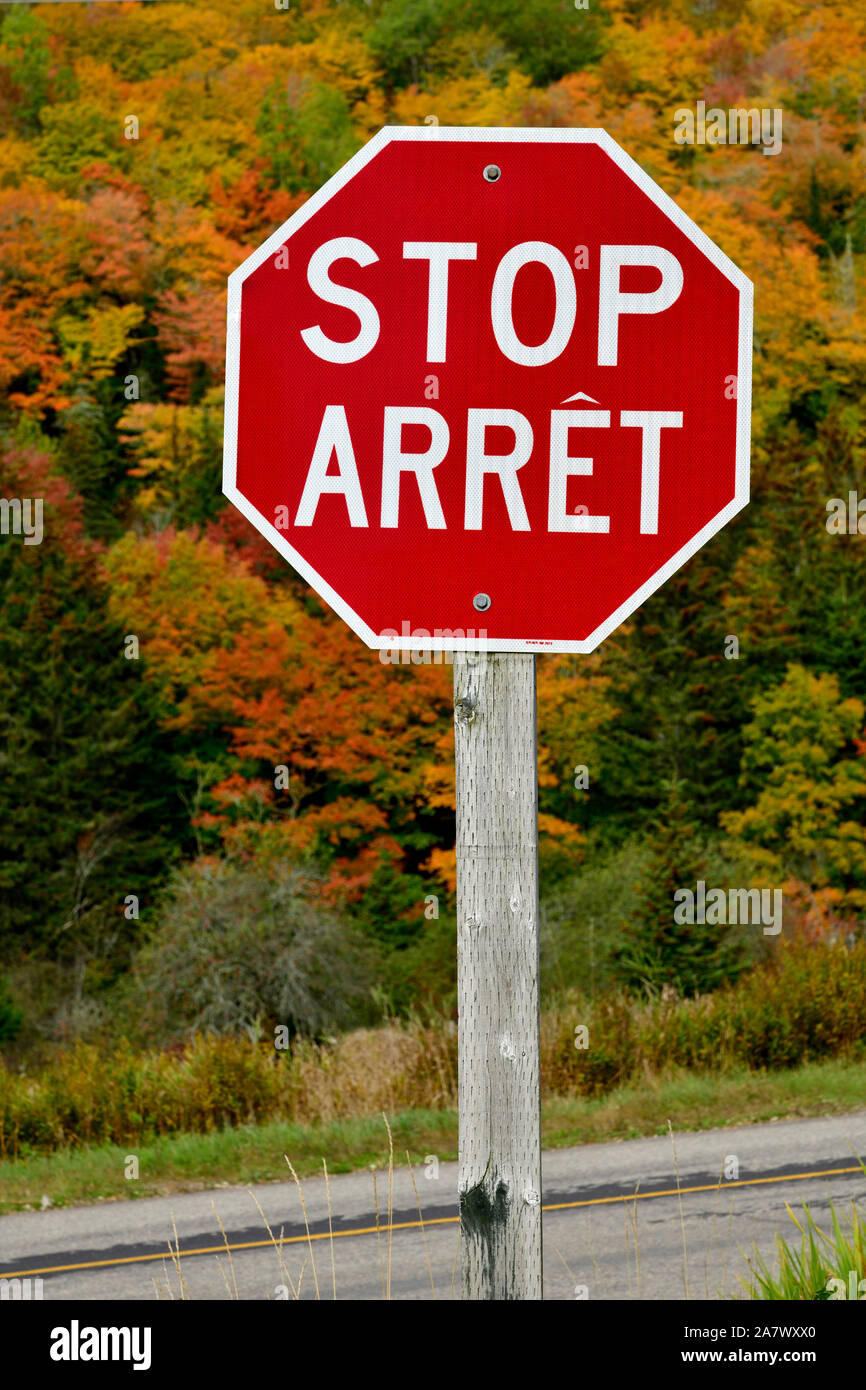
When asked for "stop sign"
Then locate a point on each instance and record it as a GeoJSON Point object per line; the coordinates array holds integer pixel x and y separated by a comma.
{"type": "Point", "coordinates": [488, 388]}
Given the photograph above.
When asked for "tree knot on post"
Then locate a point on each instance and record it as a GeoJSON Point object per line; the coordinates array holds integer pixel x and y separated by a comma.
{"type": "Point", "coordinates": [464, 709]}
{"type": "Point", "coordinates": [483, 1223]}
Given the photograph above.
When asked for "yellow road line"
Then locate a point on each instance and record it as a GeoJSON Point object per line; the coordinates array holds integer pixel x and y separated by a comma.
{"type": "Point", "coordinates": [707, 1187]}
{"type": "Point", "coordinates": [220, 1249]}
{"type": "Point", "coordinates": [416, 1225]}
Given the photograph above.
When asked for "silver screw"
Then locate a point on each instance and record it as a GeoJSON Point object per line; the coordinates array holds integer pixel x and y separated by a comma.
{"type": "Point", "coordinates": [482, 602]}
{"type": "Point", "coordinates": [492, 173]}
{"type": "Point", "coordinates": [531, 1198]}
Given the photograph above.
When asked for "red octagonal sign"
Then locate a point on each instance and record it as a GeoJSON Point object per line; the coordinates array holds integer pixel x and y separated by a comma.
{"type": "Point", "coordinates": [488, 388]}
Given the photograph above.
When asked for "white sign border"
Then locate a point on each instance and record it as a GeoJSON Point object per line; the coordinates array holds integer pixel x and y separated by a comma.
{"type": "Point", "coordinates": [494, 134]}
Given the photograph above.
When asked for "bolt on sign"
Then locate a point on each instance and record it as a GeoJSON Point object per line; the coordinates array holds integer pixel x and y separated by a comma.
{"type": "Point", "coordinates": [497, 363]}
{"type": "Point", "coordinates": [486, 390]}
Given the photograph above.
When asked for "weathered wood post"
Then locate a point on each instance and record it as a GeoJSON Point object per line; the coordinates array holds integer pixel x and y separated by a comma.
{"type": "Point", "coordinates": [497, 971]}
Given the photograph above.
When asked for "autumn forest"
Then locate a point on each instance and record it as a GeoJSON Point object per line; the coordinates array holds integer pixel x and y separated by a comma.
{"type": "Point", "coordinates": [222, 813]}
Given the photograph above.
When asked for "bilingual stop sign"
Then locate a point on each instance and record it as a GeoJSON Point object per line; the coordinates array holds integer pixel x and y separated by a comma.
{"type": "Point", "coordinates": [488, 389]}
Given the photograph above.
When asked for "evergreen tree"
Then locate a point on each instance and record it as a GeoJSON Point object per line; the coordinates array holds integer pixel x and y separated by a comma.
{"type": "Point", "coordinates": [86, 796]}
{"type": "Point", "coordinates": [10, 1017]}
{"type": "Point", "coordinates": [680, 704]}
{"type": "Point", "coordinates": [692, 958]}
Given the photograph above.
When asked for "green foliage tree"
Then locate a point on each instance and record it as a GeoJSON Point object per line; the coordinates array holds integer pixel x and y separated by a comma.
{"type": "Point", "coordinates": [413, 40]}
{"type": "Point", "coordinates": [656, 950]}
{"type": "Point", "coordinates": [403, 36]}
{"type": "Point", "coordinates": [548, 37]}
{"type": "Point", "coordinates": [305, 131]}
{"type": "Point", "coordinates": [808, 784]}
{"type": "Point", "coordinates": [25, 54]}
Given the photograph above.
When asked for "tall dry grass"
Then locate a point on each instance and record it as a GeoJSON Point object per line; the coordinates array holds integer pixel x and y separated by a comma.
{"type": "Point", "coordinates": [90, 1096]}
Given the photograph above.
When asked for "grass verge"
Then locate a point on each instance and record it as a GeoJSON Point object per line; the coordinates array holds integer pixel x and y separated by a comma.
{"type": "Point", "coordinates": [254, 1153]}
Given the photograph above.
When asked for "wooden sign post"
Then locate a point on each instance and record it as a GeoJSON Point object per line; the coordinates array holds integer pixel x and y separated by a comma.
{"type": "Point", "coordinates": [497, 975]}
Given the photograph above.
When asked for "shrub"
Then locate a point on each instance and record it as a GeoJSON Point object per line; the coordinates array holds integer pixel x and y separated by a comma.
{"type": "Point", "coordinates": [806, 1003]}
{"type": "Point", "coordinates": [89, 1095]}
{"type": "Point", "coordinates": [241, 947]}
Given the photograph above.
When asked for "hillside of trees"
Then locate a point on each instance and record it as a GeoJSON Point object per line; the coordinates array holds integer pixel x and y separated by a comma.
{"type": "Point", "coordinates": [160, 663]}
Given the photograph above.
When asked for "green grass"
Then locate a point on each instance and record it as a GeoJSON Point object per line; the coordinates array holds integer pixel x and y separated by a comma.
{"type": "Point", "coordinates": [828, 1264]}
{"type": "Point", "coordinates": [248, 1154]}
{"type": "Point", "coordinates": [705, 1100]}
{"type": "Point", "coordinates": [254, 1154]}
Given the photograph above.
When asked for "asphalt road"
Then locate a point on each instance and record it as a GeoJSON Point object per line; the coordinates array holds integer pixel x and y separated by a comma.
{"type": "Point", "coordinates": [615, 1226]}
